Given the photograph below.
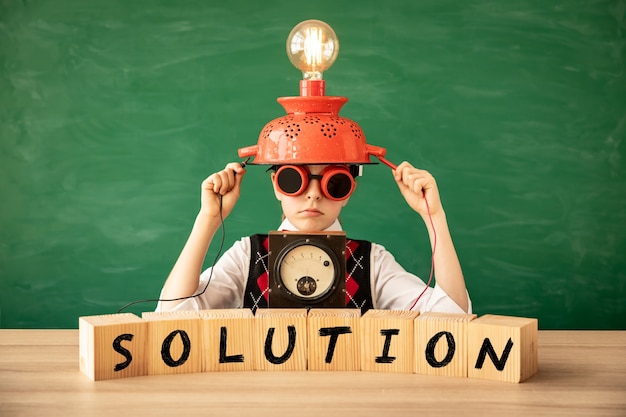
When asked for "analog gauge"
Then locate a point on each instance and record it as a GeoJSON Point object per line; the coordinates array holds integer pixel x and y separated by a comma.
{"type": "Point", "coordinates": [307, 271]}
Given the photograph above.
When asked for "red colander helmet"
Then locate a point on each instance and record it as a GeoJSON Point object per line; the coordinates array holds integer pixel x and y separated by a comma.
{"type": "Point", "coordinates": [312, 132]}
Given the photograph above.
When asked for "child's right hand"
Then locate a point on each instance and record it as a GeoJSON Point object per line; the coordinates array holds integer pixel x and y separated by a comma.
{"type": "Point", "coordinates": [225, 183]}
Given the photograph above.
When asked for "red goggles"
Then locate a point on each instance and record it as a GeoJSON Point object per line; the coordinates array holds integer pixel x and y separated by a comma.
{"type": "Point", "coordinates": [336, 181]}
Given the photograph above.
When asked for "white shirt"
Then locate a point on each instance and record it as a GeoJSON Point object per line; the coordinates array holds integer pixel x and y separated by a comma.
{"type": "Point", "coordinates": [393, 288]}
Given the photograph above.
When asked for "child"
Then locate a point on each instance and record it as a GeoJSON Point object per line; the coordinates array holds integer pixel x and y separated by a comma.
{"type": "Point", "coordinates": [314, 208]}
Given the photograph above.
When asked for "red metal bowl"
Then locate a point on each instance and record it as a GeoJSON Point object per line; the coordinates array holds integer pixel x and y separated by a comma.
{"type": "Point", "coordinates": [312, 132]}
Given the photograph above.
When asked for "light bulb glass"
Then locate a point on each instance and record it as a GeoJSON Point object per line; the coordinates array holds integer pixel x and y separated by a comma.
{"type": "Point", "coordinates": [312, 47]}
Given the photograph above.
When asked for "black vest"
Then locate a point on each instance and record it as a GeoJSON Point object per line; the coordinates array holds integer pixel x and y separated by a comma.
{"type": "Point", "coordinates": [358, 287]}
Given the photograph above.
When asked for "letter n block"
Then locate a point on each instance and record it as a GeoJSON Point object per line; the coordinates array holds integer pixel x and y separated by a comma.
{"type": "Point", "coordinates": [174, 342]}
{"type": "Point", "coordinates": [387, 340]}
{"type": "Point", "coordinates": [334, 339]}
{"type": "Point", "coordinates": [112, 346]}
{"type": "Point", "coordinates": [441, 344]}
{"type": "Point", "coordinates": [502, 348]}
{"type": "Point", "coordinates": [228, 338]}
{"type": "Point", "coordinates": [280, 339]}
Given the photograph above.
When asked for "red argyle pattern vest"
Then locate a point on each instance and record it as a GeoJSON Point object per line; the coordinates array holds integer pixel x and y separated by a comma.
{"type": "Point", "coordinates": [358, 287]}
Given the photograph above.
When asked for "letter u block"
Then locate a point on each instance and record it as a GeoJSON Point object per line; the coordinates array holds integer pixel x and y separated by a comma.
{"type": "Point", "coordinates": [502, 348]}
{"type": "Point", "coordinates": [441, 344]}
{"type": "Point", "coordinates": [228, 338]}
{"type": "Point", "coordinates": [334, 338]}
{"type": "Point", "coordinates": [175, 342]}
{"type": "Point", "coordinates": [280, 339]}
{"type": "Point", "coordinates": [387, 340]}
{"type": "Point", "coordinates": [112, 346]}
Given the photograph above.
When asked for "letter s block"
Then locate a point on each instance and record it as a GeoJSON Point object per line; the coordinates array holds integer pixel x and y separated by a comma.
{"type": "Point", "coordinates": [174, 342]}
{"type": "Point", "coordinates": [502, 348]}
{"type": "Point", "coordinates": [112, 346]}
{"type": "Point", "coordinates": [441, 344]}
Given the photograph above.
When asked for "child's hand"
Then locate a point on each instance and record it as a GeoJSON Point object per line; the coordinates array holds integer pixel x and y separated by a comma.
{"type": "Point", "coordinates": [225, 183]}
{"type": "Point", "coordinates": [415, 184]}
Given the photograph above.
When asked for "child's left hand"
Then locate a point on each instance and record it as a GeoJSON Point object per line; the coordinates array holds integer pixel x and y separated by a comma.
{"type": "Point", "coordinates": [417, 186]}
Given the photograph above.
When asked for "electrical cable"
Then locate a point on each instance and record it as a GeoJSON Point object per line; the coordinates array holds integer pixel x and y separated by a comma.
{"type": "Point", "coordinates": [432, 225]}
{"type": "Point", "coordinates": [432, 258]}
{"type": "Point", "coordinates": [219, 253]}
{"type": "Point", "coordinates": [223, 235]}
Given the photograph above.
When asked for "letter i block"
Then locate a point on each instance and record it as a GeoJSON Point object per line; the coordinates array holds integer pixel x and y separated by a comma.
{"type": "Point", "coordinates": [441, 344]}
{"type": "Point", "coordinates": [280, 340]}
{"type": "Point", "coordinates": [174, 342]}
{"type": "Point", "coordinates": [334, 339]}
{"type": "Point", "coordinates": [387, 340]}
{"type": "Point", "coordinates": [228, 337]}
{"type": "Point", "coordinates": [502, 348]}
{"type": "Point", "coordinates": [112, 346]}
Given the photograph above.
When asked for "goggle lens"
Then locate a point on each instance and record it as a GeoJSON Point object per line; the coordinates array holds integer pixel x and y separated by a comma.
{"type": "Point", "coordinates": [289, 180]}
{"type": "Point", "coordinates": [338, 186]}
{"type": "Point", "coordinates": [336, 181]}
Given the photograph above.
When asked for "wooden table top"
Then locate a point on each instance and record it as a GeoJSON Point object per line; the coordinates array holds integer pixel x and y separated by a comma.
{"type": "Point", "coordinates": [581, 373]}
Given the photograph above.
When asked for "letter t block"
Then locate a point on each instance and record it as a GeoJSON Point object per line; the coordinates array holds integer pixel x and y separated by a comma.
{"type": "Point", "coordinates": [502, 348]}
{"type": "Point", "coordinates": [334, 339]}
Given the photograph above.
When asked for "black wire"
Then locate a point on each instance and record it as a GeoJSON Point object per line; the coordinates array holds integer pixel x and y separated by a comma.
{"type": "Point", "coordinates": [219, 252]}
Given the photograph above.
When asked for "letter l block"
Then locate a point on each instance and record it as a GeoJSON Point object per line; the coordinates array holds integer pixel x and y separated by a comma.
{"type": "Point", "coordinates": [228, 338]}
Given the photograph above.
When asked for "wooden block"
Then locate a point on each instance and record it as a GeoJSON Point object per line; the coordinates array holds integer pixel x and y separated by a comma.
{"type": "Point", "coordinates": [280, 340]}
{"type": "Point", "coordinates": [174, 342]}
{"type": "Point", "coordinates": [227, 342]}
{"type": "Point", "coordinates": [334, 338]}
{"type": "Point", "coordinates": [112, 346]}
{"type": "Point", "coordinates": [502, 348]}
{"type": "Point", "coordinates": [387, 340]}
{"type": "Point", "coordinates": [441, 344]}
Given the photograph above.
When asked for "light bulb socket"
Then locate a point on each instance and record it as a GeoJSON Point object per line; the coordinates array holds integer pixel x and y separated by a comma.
{"type": "Point", "coordinates": [309, 88]}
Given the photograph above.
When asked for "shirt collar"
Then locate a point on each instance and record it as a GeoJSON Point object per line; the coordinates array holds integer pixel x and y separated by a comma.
{"type": "Point", "coordinates": [286, 225]}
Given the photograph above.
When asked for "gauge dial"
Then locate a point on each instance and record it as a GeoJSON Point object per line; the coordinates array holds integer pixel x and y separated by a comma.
{"type": "Point", "coordinates": [307, 271]}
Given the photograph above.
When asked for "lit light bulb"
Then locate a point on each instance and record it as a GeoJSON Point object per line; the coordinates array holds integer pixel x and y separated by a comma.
{"type": "Point", "coordinates": [312, 47]}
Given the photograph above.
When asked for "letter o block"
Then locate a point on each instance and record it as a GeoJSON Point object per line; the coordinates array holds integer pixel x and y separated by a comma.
{"type": "Point", "coordinates": [441, 344]}
{"type": "Point", "coordinates": [112, 346]}
{"type": "Point", "coordinates": [502, 348]}
{"type": "Point", "coordinates": [175, 342]}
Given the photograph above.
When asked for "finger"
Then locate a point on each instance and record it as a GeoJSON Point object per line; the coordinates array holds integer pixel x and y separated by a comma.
{"type": "Point", "coordinates": [235, 171]}
{"type": "Point", "coordinates": [398, 173]}
{"type": "Point", "coordinates": [239, 177]}
{"type": "Point", "coordinates": [236, 168]}
{"type": "Point", "coordinates": [227, 181]}
{"type": "Point", "coordinates": [418, 187]}
{"type": "Point", "coordinates": [212, 183]}
{"type": "Point", "coordinates": [410, 176]}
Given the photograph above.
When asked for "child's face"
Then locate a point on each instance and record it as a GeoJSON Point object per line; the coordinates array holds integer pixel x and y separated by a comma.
{"type": "Point", "coordinates": [310, 211]}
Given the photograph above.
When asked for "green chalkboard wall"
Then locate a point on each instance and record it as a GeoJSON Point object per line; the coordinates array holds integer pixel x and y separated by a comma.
{"type": "Point", "coordinates": [112, 112]}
